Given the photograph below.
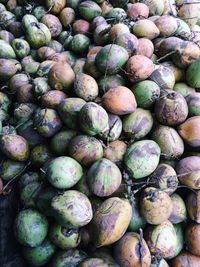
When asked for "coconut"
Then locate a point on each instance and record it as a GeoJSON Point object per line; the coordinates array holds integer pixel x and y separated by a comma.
{"type": "Point", "coordinates": [108, 227]}
{"type": "Point", "coordinates": [189, 131]}
{"type": "Point", "coordinates": [119, 100]}
{"type": "Point", "coordinates": [179, 213]}
{"type": "Point", "coordinates": [128, 251]}
{"type": "Point", "coordinates": [142, 158]}
{"type": "Point", "coordinates": [156, 206]}
{"type": "Point", "coordinates": [188, 170]}
{"type": "Point", "coordinates": [161, 239]}
{"type": "Point", "coordinates": [165, 178]}
{"type": "Point", "coordinates": [193, 206]}
{"type": "Point", "coordinates": [139, 68]}
{"type": "Point", "coordinates": [192, 238]}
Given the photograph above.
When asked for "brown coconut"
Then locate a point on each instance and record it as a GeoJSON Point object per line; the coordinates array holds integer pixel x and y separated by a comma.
{"type": "Point", "coordinates": [119, 100]}
{"type": "Point", "coordinates": [139, 68]}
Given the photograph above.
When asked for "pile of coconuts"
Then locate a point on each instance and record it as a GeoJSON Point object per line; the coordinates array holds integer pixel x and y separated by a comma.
{"type": "Point", "coordinates": [100, 130]}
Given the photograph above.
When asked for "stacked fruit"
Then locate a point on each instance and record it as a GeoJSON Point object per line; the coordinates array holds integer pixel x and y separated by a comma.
{"type": "Point", "coordinates": [100, 127]}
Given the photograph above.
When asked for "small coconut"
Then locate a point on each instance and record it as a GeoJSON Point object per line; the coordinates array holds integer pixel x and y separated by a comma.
{"type": "Point", "coordinates": [115, 151]}
{"type": "Point", "coordinates": [106, 227]}
{"type": "Point", "coordinates": [179, 213]}
{"type": "Point", "coordinates": [185, 259]}
{"type": "Point", "coordinates": [171, 109]}
{"type": "Point", "coordinates": [61, 77]}
{"type": "Point", "coordinates": [132, 250]}
{"type": "Point", "coordinates": [193, 206]}
{"type": "Point", "coordinates": [165, 178]}
{"type": "Point", "coordinates": [167, 25]}
{"type": "Point", "coordinates": [145, 47]}
{"type": "Point", "coordinates": [119, 101]}
{"type": "Point", "coordinates": [81, 26]}
{"type": "Point", "coordinates": [188, 170]}
{"type": "Point", "coordinates": [192, 238]}
{"type": "Point", "coordinates": [146, 28]}
{"type": "Point", "coordinates": [190, 131]}
{"type": "Point", "coordinates": [138, 11]}
{"type": "Point", "coordinates": [139, 68]}
{"type": "Point", "coordinates": [161, 239]}
{"type": "Point", "coordinates": [67, 16]}
{"type": "Point", "coordinates": [155, 205]}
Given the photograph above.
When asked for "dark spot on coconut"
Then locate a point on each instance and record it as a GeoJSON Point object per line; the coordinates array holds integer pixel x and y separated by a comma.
{"type": "Point", "coordinates": [137, 250]}
{"type": "Point", "coordinates": [171, 96]}
{"type": "Point", "coordinates": [194, 202]}
{"type": "Point", "coordinates": [141, 125]}
{"type": "Point", "coordinates": [19, 46]}
{"type": "Point", "coordinates": [150, 150]}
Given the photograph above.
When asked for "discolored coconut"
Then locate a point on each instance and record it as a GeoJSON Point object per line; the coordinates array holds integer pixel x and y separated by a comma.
{"type": "Point", "coordinates": [116, 30]}
{"type": "Point", "coordinates": [64, 238]}
{"type": "Point", "coordinates": [188, 171]}
{"type": "Point", "coordinates": [119, 100]}
{"type": "Point", "coordinates": [55, 6]}
{"type": "Point", "coordinates": [61, 77]}
{"type": "Point", "coordinates": [179, 74]}
{"type": "Point", "coordinates": [68, 257]}
{"type": "Point", "coordinates": [131, 250]}
{"type": "Point", "coordinates": [53, 23]}
{"type": "Point", "coordinates": [161, 239]}
{"type": "Point", "coordinates": [193, 206]}
{"type": "Point", "coordinates": [169, 45]}
{"type": "Point", "coordinates": [171, 109]}
{"type": "Point", "coordinates": [187, 52]}
{"type": "Point", "coordinates": [142, 158]}
{"type": "Point", "coordinates": [164, 77]}
{"type": "Point", "coordinates": [69, 109]}
{"type": "Point", "coordinates": [130, 42]}
{"type": "Point", "coordinates": [155, 205]}
{"type": "Point", "coordinates": [179, 213]}
{"type": "Point", "coordinates": [190, 131]}
{"type": "Point", "coordinates": [167, 25]}
{"type": "Point", "coordinates": [114, 129]}
{"type": "Point", "coordinates": [139, 68]}
{"type": "Point", "coordinates": [86, 87]}
{"type": "Point", "coordinates": [72, 209]}
{"type": "Point", "coordinates": [47, 122]}
{"type": "Point", "coordinates": [138, 11]}
{"type": "Point", "coordinates": [138, 124]}
{"type": "Point", "coordinates": [185, 259]}
{"type": "Point", "coordinates": [170, 142]}
{"type": "Point", "coordinates": [81, 26]}
{"type": "Point", "coordinates": [145, 28]}
{"type": "Point", "coordinates": [165, 178]}
{"type": "Point", "coordinates": [145, 47]}
{"type": "Point", "coordinates": [110, 221]}
{"type": "Point", "coordinates": [67, 16]}
{"type": "Point", "coordinates": [115, 151]}
{"type": "Point", "coordinates": [104, 177]}
{"type": "Point", "coordinates": [192, 238]}
{"type": "Point", "coordinates": [52, 98]}
{"type": "Point", "coordinates": [7, 69]}
{"type": "Point", "coordinates": [15, 147]}
{"type": "Point", "coordinates": [93, 119]}
{"type": "Point", "coordinates": [85, 149]}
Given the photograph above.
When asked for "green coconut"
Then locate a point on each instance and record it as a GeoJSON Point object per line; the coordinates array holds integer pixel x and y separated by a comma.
{"type": "Point", "coordinates": [142, 158]}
